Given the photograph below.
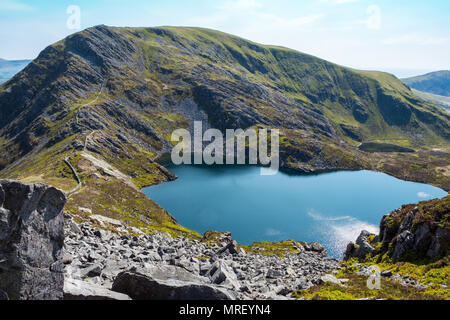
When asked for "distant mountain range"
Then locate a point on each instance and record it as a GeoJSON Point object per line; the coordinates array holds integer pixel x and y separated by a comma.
{"type": "Point", "coordinates": [8, 68]}
{"type": "Point", "coordinates": [437, 83]}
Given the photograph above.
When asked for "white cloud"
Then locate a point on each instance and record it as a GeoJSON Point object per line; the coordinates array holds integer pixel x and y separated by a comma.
{"type": "Point", "coordinates": [250, 14]}
{"type": "Point", "coordinates": [240, 4]}
{"type": "Point", "coordinates": [14, 5]}
{"type": "Point", "coordinates": [210, 21]}
{"type": "Point", "coordinates": [416, 39]}
{"type": "Point", "coordinates": [227, 11]}
{"type": "Point", "coordinates": [291, 22]}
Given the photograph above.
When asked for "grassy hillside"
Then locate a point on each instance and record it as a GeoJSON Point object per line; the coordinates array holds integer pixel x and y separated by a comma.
{"type": "Point", "coordinates": [435, 82]}
{"type": "Point", "coordinates": [107, 99]}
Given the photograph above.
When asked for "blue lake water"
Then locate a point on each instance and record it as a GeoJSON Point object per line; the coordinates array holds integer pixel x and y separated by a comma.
{"type": "Point", "coordinates": [331, 208]}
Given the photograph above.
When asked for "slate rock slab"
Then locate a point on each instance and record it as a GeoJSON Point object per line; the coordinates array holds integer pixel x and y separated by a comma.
{"type": "Point", "coordinates": [31, 241]}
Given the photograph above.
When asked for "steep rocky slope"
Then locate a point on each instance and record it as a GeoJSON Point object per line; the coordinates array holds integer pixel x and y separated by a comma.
{"type": "Point", "coordinates": [95, 111]}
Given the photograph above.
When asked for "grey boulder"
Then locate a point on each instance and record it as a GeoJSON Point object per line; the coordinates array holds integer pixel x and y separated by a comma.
{"type": "Point", "coordinates": [221, 274]}
{"type": "Point", "coordinates": [167, 283]}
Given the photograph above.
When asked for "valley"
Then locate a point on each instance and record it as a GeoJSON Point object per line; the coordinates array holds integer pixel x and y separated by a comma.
{"type": "Point", "coordinates": [94, 113]}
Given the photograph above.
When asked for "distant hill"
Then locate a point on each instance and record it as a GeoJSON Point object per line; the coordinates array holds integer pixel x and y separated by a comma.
{"type": "Point", "coordinates": [438, 100]}
{"type": "Point", "coordinates": [435, 82]}
{"type": "Point", "coordinates": [8, 68]}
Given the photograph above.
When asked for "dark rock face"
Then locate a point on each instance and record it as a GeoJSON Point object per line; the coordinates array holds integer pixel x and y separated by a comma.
{"type": "Point", "coordinates": [167, 283]}
{"type": "Point", "coordinates": [352, 132]}
{"type": "Point", "coordinates": [31, 241]}
{"type": "Point", "coordinates": [393, 110]}
{"type": "Point", "coordinates": [424, 239]}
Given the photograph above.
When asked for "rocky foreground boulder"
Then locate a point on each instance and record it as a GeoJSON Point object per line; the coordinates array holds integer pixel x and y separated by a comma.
{"type": "Point", "coordinates": [31, 241]}
{"type": "Point", "coordinates": [167, 283]}
{"type": "Point", "coordinates": [411, 233]}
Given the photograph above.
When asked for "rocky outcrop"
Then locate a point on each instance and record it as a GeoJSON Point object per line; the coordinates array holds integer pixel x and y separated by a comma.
{"type": "Point", "coordinates": [413, 232]}
{"type": "Point", "coordinates": [361, 248]}
{"type": "Point", "coordinates": [31, 241]}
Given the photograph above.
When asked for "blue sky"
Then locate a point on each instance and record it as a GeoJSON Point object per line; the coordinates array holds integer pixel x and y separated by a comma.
{"type": "Point", "coordinates": [402, 36]}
